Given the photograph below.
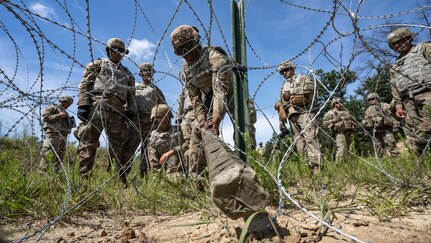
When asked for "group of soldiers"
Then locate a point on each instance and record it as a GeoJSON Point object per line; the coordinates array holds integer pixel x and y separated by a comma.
{"type": "Point", "coordinates": [411, 90]}
{"type": "Point", "coordinates": [136, 114]}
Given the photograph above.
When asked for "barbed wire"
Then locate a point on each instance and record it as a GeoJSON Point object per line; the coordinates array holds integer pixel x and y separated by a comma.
{"type": "Point", "coordinates": [26, 100]}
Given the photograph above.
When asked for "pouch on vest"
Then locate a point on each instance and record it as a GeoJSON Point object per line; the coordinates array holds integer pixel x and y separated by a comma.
{"type": "Point", "coordinates": [233, 184]}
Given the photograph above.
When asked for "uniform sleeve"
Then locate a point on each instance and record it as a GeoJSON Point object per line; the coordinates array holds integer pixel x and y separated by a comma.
{"type": "Point", "coordinates": [221, 82]}
{"type": "Point", "coordinates": [181, 98]}
{"type": "Point", "coordinates": [50, 114]}
{"type": "Point", "coordinates": [131, 105]}
{"type": "Point", "coordinates": [396, 98]}
{"type": "Point", "coordinates": [153, 155]}
{"type": "Point", "coordinates": [160, 96]}
{"type": "Point", "coordinates": [327, 119]}
{"type": "Point", "coordinates": [87, 83]}
{"type": "Point", "coordinates": [196, 99]}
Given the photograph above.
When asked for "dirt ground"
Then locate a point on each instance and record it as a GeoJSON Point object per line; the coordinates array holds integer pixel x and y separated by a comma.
{"type": "Point", "coordinates": [293, 226]}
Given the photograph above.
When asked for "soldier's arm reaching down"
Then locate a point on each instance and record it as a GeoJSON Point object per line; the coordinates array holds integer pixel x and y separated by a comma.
{"type": "Point", "coordinates": [221, 85]}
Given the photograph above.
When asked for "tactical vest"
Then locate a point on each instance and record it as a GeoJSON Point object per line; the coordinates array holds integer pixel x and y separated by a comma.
{"type": "Point", "coordinates": [412, 73]}
{"type": "Point", "coordinates": [199, 73]}
{"type": "Point", "coordinates": [112, 80]}
{"type": "Point", "coordinates": [146, 98]}
{"type": "Point", "coordinates": [60, 126]}
{"type": "Point", "coordinates": [165, 141]}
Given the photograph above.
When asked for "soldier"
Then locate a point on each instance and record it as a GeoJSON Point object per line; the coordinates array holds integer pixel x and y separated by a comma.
{"type": "Point", "coordinates": [411, 86]}
{"type": "Point", "coordinates": [296, 105]}
{"type": "Point", "coordinates": [147, 96]}
{"type": "Point", "coordinates": [261, 149]}
{"type": "Point", "coordinates": [253, 120]}
{"type": "Point", "coordinates": [106, 99]}
{"type": "Point", "coordinates": [57, 125]}
{"type": "Point", "coordinates": [166, 143]}
{"type": "Point", "coordinates": [341, 124]}
{"type": "Point", "coordinates": [208, 74]}
{"type": "Point", "coordinates": [379, 120]}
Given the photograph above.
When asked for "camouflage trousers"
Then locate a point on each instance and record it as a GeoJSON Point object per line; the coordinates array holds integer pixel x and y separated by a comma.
{"type": "Point", "coordinates": [113, 122]}
{"type": "Point", "coordinates": [305, 132]}
{"type": "Point", "coordinates": [418, 121]}
{"type": "Point", "coordinates": [54, 145]}
{"type": "Point", "coordinates": [138, 133]}
{"type": "Point", "coordinates": [385, 143]}
{"type": "Point", "coordinates": [344, 143]}
{"type": "Point", "coordinates": [186, 126]}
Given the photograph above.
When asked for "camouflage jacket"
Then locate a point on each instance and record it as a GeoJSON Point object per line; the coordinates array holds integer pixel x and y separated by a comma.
{"type": "Point", "coordinates": [297, 94]}
{"type": "Point", "coordinates": [53, 124]}
{"type": "Point", "coordinates": [211, 72]}
{"type": "Point", "coordinates": [379, 116]}
{"type": "Point", "coordinates": [339, 121]}
{"type": "Point", "coordinates": [185, 107]}
{"type": "Point", "coordinates": [147, 96]}
{"type": "Point", "coordinates": [411, 73]}
{"type": "Point", "coordinates": [161, 142]}
{"type": "Point", "coordinates": [113, 83]}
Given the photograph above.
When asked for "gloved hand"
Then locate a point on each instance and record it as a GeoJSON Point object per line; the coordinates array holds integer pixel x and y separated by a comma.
{"type": "Point", "coordinates": [83, 112]}
{"type": "Point", "coordinates": [283, 132]}
{"type": "Point", "coordinates": [129, 114]}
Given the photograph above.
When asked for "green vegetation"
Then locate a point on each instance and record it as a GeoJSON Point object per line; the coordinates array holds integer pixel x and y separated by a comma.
{"type": "Point", "coordinates": [352, 185]}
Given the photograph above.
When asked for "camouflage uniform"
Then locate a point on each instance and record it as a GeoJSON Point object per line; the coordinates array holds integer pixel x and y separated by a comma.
{"type": "Point", "coordinates": [253, 120]}
{"type": "Point", "coordinates": [411, 86]}
{"type": "Point", "coordinates": [340, 123]}
{"type": "Point", "coordinates": [56, 131]}
{"type": "Point", "coordinates": [296, 98]}
{"type": "Point", "coordinates": [107, 91]}
{"type": "Point", "coordinates": [147, 96]}
{"type": "Point", "coordinates": [162, 141]}
{"type": "Point", "coordinates": [380, 122]}
{"type": "Point", "coordinates": [209, 82]}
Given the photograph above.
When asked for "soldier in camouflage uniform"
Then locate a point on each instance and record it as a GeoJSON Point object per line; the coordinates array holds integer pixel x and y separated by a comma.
{"type": "Point", "coordinates": [57, 125]}
{"type": "Point", "coordinates": [381, 124]}
{"type": "Point", "coordinates": [106, 100]}
{"type": "Point", "coordinates": [297, 106]}
{"type": "Point", "coordinates": [207, 72]}
{"type": "Point", "coordinates": [411, 86]}
{"type": "Point", "coordinates": [342, 125]}
{"type": "Point", "coordinates": [147, 96]}
{"type": "Point", "coordinates": [166, 143]}
{"type": "Point", "coordinates": [253, 120]}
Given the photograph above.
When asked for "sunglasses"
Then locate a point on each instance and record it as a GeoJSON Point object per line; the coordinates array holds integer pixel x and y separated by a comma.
{"type": "Point", "coordinates": [371, 99]}
{"type": "Point", "coordinates": [118, 50]}
{"type": "Point", "coordinates": [285, 70]}
{"type": "Point", "coordinates": [185, 48]}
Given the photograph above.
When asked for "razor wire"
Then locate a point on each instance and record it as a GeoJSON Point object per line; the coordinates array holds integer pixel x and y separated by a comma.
{"type": "Point", "coordinates": [26, 100]}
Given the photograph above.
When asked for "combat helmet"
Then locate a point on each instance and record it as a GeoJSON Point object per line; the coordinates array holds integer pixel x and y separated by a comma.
{"type": "Point", "coordinates": [373, 96]}
{"type": "Point", "coordinates": [146, 67]}
{"type": "Point", "coordinates": [399, 34]}
{"type": "Point", "coordinates": [335, 100]}
{"type": "Point", "coordinates": [66, 98]}
{"type": "Point", "coordinates": [116, 43]}
{"type": "Point", "coordinates": [284, 65]}
{"type": "Point", "coordinates": [183, 34]}
{"type": "Point", "coordinates": [161, 110]}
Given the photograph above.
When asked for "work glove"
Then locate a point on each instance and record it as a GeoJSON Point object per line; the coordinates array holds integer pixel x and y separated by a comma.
{"type": "Point", "coordinates": [83, 112]}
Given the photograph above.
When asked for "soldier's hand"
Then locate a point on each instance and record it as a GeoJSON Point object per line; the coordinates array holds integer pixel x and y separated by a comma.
{"type": "Point", "coordinates": [213, 125]}
{"type": "Point", "coordinates": [400, 114]}
{"type": "Point", "coordinates": [166, 156]}
{"type": "Point", "coordinates": [83, 112]}
{"type": "Point", "coordinates": [62, 114]}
